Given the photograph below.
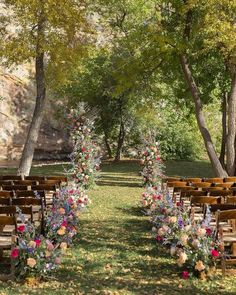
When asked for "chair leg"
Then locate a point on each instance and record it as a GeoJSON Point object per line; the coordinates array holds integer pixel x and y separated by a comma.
{"type": "Point", "coordinates": [223, 265]}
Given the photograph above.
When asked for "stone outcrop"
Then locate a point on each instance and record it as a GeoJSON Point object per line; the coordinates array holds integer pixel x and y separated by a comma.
{"type": "Point", "coordinates": [17, 98]}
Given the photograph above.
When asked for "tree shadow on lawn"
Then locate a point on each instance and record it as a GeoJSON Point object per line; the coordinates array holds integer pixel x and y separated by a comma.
{"type": "Point", "coordinates": [118, 178]}
{"type": "Point", "coordinates": [117, 183]}
{"type": "Point", "coordinates": [137, 265]}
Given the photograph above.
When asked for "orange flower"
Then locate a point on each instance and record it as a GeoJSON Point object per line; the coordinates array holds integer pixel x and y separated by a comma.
{"type": "Point", "coordinates": [61, 231]}
{"type": "Point", "coordinates": [62, 211]}
{"type": "Point", "coordinates": [199, 265]}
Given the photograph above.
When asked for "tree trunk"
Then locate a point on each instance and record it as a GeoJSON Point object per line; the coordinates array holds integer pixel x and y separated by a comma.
{"type": "Point", "coordinates": [224, 128]}
{"type": "Point", "coordinates": [230, 143]}
{"type": "Point", "coordinates": [107, 144]}
{"type": "Point", "coordinates": [120, 143]}
{"type": "Point", "coordinates": [32, 136]}
{"type": "Point", "coordinates": [215, 162]}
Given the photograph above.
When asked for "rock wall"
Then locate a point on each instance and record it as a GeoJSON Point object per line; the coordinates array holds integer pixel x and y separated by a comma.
{"type": "Point", "coordinates": [17, 96]}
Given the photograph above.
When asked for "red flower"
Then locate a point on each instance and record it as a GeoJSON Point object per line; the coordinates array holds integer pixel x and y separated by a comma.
{"type": "Point", "coordinates": [208, 231]}
{"type": "Point", "coordinates": [185, 275]}
{"type": "Point", "coordinates": [159, 197]}
{"type": "Point", "coordinates": [178, 204]}
{"type": "Point", "coordinates": [21, 228]}
{"type": "Point", "coordinates": [159, 238]}
{"type": "Point", "coordinates": [215, 253]}
{"type": "Point", "coordinates": [83, 149]}
{"type": "Point", "coordinates": [86, 157]}
{"type": "Point", "coordinates": [15, 253]}
{"type": "Point", "coordinates": [64, 223]}
{"type": "Point", "coordinates": [37, 241]}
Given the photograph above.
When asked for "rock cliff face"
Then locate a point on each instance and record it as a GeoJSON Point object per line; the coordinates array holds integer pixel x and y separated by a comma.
{"type": "Point", "coordinates": [17, 98]}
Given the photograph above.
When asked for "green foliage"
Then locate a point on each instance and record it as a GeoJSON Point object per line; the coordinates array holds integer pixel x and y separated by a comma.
{"type": "Point", "coordinates": [58, 28]}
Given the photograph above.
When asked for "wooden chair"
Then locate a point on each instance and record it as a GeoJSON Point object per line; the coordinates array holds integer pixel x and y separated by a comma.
{"type": "Point", "coordinates": [31, 194]}
{"type": "Point", "coordinates": [55, 182]}
{"type": "Point", "coordinates": [34, 178]}
{"type": "Point", "coordinates": [184, 192]}
{"type": "Point", "coordinates": [198, 204]}
{"type": "Point", "coordinates": [230, 179]}
{"type": "Point", "coordinates": [38, 209]}
{"type": "Point", "coordinates": [6, 194]}
{"type": "Point", "coordinates": [6, 182]}
{"type": "Point", "coordinates": [48, 189]}
{"type": "Point", "coordinates": [221, 193]}
{"type": "Point", "coordinates": [226, 185]}
{"type": "Point", "coordinates": [230, 200]}
{"type": "Point", "coordinates": [25, 182]}
{"type": "Point", "coordinates": [228, 239]}
{"type": "Point", "coordinates": [212, 189]}
{"type": "Point", "coordinates": [5, 201]}
{"type": "Point", "coordinates": [12, 177]}
{"type": "Point", "coordinates": [193, 179]}
{"type": "Point", "coordinates": [201, 185]}
{"type": "Point", "coordinates": [11, 210]}
{"type": "Point", "coordinates": [15, 187]}
{"type": "Point", "coordinates": [214, 180]}
{"type": "Point", "coordinates": [61, 178]}
{"type": "Point", "coordinates": [6, 244]}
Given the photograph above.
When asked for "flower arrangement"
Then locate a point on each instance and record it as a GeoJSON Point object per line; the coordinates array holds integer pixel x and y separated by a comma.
{"type": "Point", "coordinates": [152, 164]}
{"type": "Point", "coordinates": [192, 243]}
{"type": "Point", "coordinates": [85, 159]}
{"type": "Point", "coordinates": [62, 222]}
{"type": "Point", "coordinates": [33, 254]}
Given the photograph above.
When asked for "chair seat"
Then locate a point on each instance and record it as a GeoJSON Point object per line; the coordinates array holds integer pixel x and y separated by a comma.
{"type": "Point", "coordinates": [229, 237]}
{"type": "Point", "coordinates": [5, 242]}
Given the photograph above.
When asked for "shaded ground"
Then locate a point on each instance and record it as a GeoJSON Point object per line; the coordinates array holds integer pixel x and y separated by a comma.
{"type": "Point", "coordinates": [117, 253]}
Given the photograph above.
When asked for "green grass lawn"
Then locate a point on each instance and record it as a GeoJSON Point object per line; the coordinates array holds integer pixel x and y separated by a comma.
{"type": "Point", "coordinates": [117, 253]}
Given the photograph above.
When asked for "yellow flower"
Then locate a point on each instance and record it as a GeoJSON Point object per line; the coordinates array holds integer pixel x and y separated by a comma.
{"type": "Point", "coordinates": [184, 239]}
{"type": "Point", "coordinates": [182, 258]}
{"type": "Point", "coordinates": [31, 262]}
{"type": "Point", "coordinates": [32, 244]}
{"type": "Point", "coordinates": [61, 231]}
{"type": "Point", "coordinates": [173, 219]}
{"type": "Point", "coordinates": [47, 254]}
{"type": "Point", "coordinates": [63, 246]}
{"type": "Point", "coordinates": [199, 265]}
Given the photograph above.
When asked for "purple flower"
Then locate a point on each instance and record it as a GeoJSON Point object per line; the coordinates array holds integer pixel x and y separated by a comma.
{"type": "Point", "coordinates": [180, 223]}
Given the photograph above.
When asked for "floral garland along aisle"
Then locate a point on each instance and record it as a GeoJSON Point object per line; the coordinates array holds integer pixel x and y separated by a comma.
{"type": "Point", "coordinates": [36, 255]}
{"type": "Point", "coordinates": [191, 242]}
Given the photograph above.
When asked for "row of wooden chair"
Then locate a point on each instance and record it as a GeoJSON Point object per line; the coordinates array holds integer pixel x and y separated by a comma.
{"type": "Point", "coordinates": [222, 204]}
{"type": "Point", "coordinates": [199, 179]}
{"type": "Point", "coordinates": [31, 196]}
{"type": "Point", "coordinates": [38, 178]}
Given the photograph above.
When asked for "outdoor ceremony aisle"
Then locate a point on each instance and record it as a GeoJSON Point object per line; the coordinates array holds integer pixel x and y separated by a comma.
{"type": "Point", "coordinates": [117, 253]}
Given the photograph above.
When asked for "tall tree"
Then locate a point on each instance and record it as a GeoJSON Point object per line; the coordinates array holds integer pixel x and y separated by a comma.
{"type": "Point", "coordinates": [50, 33]}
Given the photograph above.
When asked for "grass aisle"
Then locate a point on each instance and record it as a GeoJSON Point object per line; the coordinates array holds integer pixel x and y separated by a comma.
{"type": "Point", "coordinates": [117, 253]}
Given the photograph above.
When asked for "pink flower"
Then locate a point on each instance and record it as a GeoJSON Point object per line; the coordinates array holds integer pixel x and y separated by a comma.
{"type": "Point", "coordinates": [215, 253]}
{"type": "Point", "coordinates": [38, 242]}
{"type": "Point", "coordinates": [15, 253]}
{"type": "Point", "coordinates": [185, 275]}
{"type": "Point", "coordinates": [21, 228]}
{"type": "Point", "coordinates": [159, 238]}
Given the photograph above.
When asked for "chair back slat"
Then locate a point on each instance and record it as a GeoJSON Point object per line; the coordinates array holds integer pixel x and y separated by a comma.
{"type": "Point", "coordinates": [15, 187]}
{"type": "Point", "coordinates": [195, 200]}
{"type": "Point", "coordinates": [226, 215]}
